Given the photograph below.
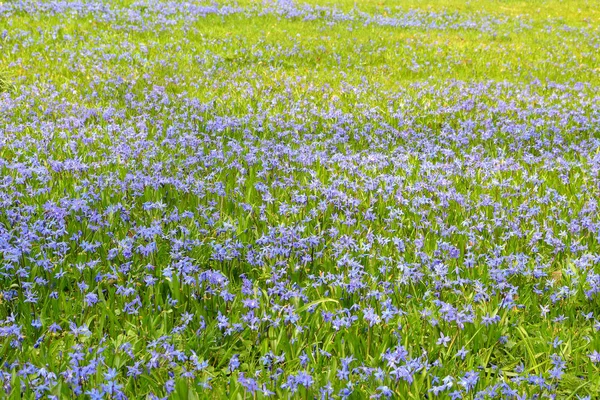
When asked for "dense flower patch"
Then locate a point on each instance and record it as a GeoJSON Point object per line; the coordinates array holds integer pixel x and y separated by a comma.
{"type": "Point", "coordinates": [208, 217]}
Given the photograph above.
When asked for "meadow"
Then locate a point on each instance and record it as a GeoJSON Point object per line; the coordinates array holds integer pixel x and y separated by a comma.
{"type": "Point", "coordinates": [299, 199]}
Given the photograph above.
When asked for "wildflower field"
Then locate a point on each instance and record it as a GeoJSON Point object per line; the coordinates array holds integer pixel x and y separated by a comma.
{"type": "Point", "coordinates": [313, 199]}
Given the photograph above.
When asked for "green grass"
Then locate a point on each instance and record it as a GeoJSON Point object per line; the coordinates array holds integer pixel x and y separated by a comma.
{"type": "Point", "coordinates": [480, 139]}
{"type": "Point", "coordinates": [5, 83]}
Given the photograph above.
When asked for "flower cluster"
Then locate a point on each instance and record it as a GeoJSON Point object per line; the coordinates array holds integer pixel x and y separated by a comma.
{"type": "Point", "coordinates": [233, 231]}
